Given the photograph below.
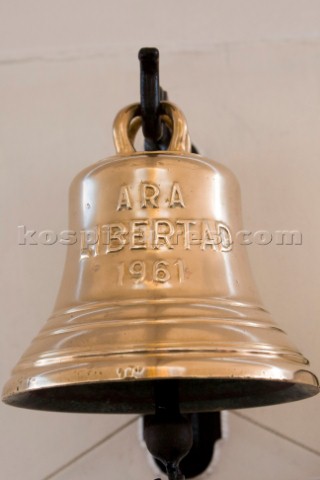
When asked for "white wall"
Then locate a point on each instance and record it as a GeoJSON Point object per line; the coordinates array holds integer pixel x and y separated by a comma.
{"type": "Point", "coordinates": [247, 75]}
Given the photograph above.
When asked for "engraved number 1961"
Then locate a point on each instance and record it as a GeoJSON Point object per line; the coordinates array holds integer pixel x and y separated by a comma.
{"type": "Point", "coordinates": [161, 271]}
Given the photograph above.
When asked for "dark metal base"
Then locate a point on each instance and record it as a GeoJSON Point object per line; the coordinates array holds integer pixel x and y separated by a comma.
{"type": "Point", "coordinates": [207, 430]}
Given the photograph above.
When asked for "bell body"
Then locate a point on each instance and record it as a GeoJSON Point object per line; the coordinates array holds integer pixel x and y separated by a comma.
{"type": "Point", "coordinates": [157, 288]}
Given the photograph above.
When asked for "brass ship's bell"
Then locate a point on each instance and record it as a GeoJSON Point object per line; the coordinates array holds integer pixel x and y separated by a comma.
{"type": "Point", "coordinates": [156, 289]}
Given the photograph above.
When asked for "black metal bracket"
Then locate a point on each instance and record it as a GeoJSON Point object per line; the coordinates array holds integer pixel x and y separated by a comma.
{"type": "Point", "coordinates": [182, 445]}
{"type": "Point", "coordinates": [173, 439]}
{"type": "Point", "coordinates": [155, 132]}
{"type": "Point", "coordinates": [150, 93]}
{"type": "Point", "coordinates": [168, 434]}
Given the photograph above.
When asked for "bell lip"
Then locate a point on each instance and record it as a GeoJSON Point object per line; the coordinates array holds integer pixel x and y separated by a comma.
{"type": "Point", "coordinates": [220, 394]}
{"type": "Point", "coordinates": [181, 366]}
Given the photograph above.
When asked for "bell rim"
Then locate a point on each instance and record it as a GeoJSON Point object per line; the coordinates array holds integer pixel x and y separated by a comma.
{"type": "Point", "coordinates": [118, 397]}
{"type": "Point", "coordinates": [281, 381]}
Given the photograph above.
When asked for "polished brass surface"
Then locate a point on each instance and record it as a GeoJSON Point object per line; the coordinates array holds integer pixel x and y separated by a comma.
{"type": "Point", "coordinates": [159, 291]}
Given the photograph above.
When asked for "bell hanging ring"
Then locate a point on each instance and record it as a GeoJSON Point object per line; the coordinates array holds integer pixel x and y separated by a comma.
{"type": "Point", "coordinates": [156, 289]}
